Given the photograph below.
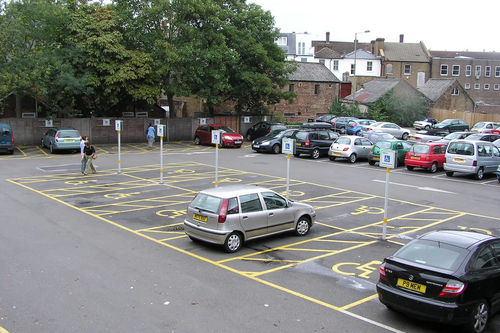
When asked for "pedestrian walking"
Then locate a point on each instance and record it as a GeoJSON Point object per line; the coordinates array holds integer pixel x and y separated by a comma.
{"type": "Point", "coordinates": [150, 136]}
{"type": "Point", "coordinates": [82, 152]}
{"type": "Point", "coordinates": [90, 154]}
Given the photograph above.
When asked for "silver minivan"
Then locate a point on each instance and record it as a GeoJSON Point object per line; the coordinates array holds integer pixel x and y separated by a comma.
{"type": "Point", "coordinates": [471, 156]}
{"type": "Point", "coordinates": [231, 215]}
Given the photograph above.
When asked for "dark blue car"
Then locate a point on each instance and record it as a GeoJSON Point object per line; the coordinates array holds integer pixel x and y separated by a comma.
{"type": "Point", "coordinates": [271, 143]}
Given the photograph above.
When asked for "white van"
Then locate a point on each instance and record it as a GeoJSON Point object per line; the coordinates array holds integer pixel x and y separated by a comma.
{"type": "Point", "coordinates": [471, 156]}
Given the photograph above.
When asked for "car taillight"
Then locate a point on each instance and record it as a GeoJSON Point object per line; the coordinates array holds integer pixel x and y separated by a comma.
{"type": "Point", "coordinates": [57, 137]}
{"type": "Point", "coordinates": [333, 123]}
{"type": "Point", "coordinates": [12, 138]}
{"type": "Point", "coordinates": [223, 211]}
{"type": "Point", "coordinates": [383, 276]}
{"type": "Point", "coordinates": [346, 149]}
{"type": "Point", "coordinates": [453, 289]}
{"type": "Point", "coordinates": [371, 151]}
{"type": "Point", "coordinates": [427, 158]}
{"type": "Point", "coordinates": [474, 163]}
{"type": "Point", "coordinates": [369, 128]}
{"type": "Point", "coordinates": [355, 125]}
{"type": "Point", "coordinates": [307, 143]}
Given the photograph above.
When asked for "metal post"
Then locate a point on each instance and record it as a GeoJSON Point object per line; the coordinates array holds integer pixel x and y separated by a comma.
{"type": "Point", "coordinates": [161, 159]}
{"type": "Point", "coordinates": [216, 165]}
{"type": "Point", "coordinates": [384, 231]}
{"type": "Point", "coordinates": [287, 175]}
{"type": "Point", "coordinates": [355, 57]}
{"type": "Point", "coordinates": [119, 153]}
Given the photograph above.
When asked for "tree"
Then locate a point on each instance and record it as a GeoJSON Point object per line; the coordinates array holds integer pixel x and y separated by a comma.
{"type": "Point", "coordinates": [402, 110]}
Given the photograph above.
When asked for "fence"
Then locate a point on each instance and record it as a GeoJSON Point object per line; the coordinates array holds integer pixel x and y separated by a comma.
{"type": "Point", "coordinates": [29, 131]}
{"type": "Point", "coordinates": [470, 117]}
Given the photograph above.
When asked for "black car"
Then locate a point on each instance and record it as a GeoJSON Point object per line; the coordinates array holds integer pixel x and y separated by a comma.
{"type": "Point", "coordinates": [340, 123]}
{"type": "Point", "coordinates": [447, 276]}
{"type": "Point", "coordinates": [272, 142]}
{"type": "Point", "coordinates": [262, 128]}
{"type": "Point", "coordinates": [314, 143]}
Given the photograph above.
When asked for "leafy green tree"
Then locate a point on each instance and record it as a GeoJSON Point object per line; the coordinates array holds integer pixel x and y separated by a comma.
{"type": "Point", "coordinates": [400, 110]}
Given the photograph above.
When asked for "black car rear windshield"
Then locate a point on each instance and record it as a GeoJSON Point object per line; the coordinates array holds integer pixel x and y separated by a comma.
{"type": "Point", "coordinates": [432, 253]}
{"type": "Point", "coordinates": [206, 203]}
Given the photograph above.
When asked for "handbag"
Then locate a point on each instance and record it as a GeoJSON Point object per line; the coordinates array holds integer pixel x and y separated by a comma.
{"type": "Point", "coordinates": [94, 155]}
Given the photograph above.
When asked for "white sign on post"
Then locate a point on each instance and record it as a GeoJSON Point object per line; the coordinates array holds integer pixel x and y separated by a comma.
{"type": "Point", "coordinates": [246, 120]}
{"type": "Point", "coordinates": [106, 122]}
{"type": "Point", "coordinates": [288, 146]}
{"type": "Point", "coordinates": [49, 123]}
{"type": "Point", "coordinates": [119, 125]}
{"type": "Point", "coordinates": [203, 121]}
{"type": "Point", "coordinates": [157, 122]}
{"type": "Point", "coordinates": [388, 159]}
{"type": "Point", "coordinates": [161, 130]}
{"type": "Point", "coordinates": [216, 137]}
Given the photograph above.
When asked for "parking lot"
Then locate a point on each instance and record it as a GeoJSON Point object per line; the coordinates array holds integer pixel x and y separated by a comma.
{"type": "Point", "coordinates": [334, 266]}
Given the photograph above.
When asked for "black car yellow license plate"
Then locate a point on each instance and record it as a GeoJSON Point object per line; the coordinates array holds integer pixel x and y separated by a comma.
{"type": "Point", "coordinates": [200, 218]}
{"type": "Point", "coordinates": [412, 286]}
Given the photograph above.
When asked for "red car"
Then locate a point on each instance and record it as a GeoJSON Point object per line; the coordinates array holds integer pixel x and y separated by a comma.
{"type": "Point", "coordinates": [427, 155]}
{"type": "Point", "coordinates": [229, 138]}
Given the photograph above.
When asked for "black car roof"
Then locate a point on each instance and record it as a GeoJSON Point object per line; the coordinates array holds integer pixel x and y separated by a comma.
{"type": "Point", "coordinates": [460, 238]}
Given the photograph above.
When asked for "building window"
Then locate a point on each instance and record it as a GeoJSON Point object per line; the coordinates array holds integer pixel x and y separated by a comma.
{"type": "Point", "coordinates": [455, 71]}
{"type": "Point", "coordinates": [477, 86]}
{"type": "Point", "coordinates": [486, 86]}
{"type": "Point", "coordinates": [369, 66]}
{"type": "Point", "coordinates": [303, 59]}
{"type": "Point", "coordinates": [316, 89]}
{"type": "Point", "coordinates": [497, 71]}
{"type": "Point", "coordinates": [281, 41]}
{"type": "Point", "coordinates": [487, 71]}
{"type": "Point", "coordinates": [291, 87]}
{"type": "Point", "coordinates": [467, 86]}
{"type": "Point", "coordinates": [302, 48]}
{"type": "Point", "coordinates": [468, 70]}
{"type": "Point", "coordinates": [444, 70]}
{"type": "Point", "coordinates": [407, 69]}
{"type": "Point", "coordinates": [388, 69]}
{"type": "Point", "coordinates": [322, 61]}
{"type": "Point", "coordinates": [496, 87]}
{"type": "Point", "coordinates": [455, 91]}
{"type": "Point", "coordinates": [335, 65]}
{"type": "Point", "coordinates": [352, 69]}
{"type": "Point", "coordinates": [478, 71]}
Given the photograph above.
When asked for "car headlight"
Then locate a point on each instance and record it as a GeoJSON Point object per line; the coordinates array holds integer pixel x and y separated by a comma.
{"type": "Point", "coordinates": [228, 138]}
{"type": "Point", "coordinates": [265, 143]}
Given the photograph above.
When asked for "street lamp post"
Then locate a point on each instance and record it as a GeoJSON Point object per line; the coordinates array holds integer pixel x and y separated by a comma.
{"type": "Point", "coordinates": [354, 78]}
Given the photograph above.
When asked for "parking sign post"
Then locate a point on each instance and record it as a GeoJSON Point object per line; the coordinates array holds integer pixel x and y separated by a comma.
{"type": "Point", "coordinates": [161, 129]}
{"type": "Point", "coordinates": [288, 148]}
{"type": "Point", "coordinates": [216, 141]}
{"type": "Point", "coordinates": [119, 128]}
{"type": "Point", "coordinates": [387, 160]}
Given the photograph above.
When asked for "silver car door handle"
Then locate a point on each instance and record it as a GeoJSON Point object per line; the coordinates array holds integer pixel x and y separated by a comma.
{"type": "Point", "coordinates": [245, 217]}
{"type": "Point", "coordinates": [271, 214]}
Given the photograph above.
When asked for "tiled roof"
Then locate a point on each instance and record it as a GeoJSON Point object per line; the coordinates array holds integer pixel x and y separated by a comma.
{"type": "Point", "coordinates": [327, 53]}
{"type": "Point", "coordinates": [312, 72]}
{"type": "Point", "coordinates": [466, 54]}
{"type": "Point", "coordinates": [344, 47]}
{"type": "Point", "coordinates": [411, 52]}
{"type": "Point", "coordinates": [433, 89]}
{"type": "Point", "coordinates": [372, 90]}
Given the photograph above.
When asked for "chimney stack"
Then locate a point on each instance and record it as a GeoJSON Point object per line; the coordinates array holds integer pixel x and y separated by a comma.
{"type": "Point", "coordinates": [401, 38]}
{"type": "Point", "coordinates": [328, 37]}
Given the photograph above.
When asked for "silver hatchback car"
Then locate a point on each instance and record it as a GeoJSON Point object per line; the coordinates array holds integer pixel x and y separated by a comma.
{"type": "Point", "coordinates": [351, 147]}
{"type": "Point", "coordinates": [231, 215]}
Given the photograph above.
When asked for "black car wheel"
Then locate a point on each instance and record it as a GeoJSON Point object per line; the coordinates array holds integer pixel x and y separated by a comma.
{"type": "Point", "coordinates": [371, 162]}
{"type": "Point", "coordinates": [42, 144]}
{"type": "Point", "coordinates": [51, 149]}
{"type": "Point", "coordinates": [296, 155]}
{"type": "Point", "coordinates": [197, 140]}
{"type": "Point", "coordinates": [276, 149]}
{"type": "Point", "coordinates": [233, 242]}
{"type": "Point", "coordinates": [405, 136]}
{"type": "Point", "coordinates": [342, 130]}
{"type": "Point", "coordinates": [449, 173]}
{"type": "Point", "coordinates": [479, 317]}
{"type": "Point", "coordinates": [447, 130]}
{"type": "Point", "coordinates": [479, 174]}
{"type": "Point", "coordinates": [427, 127]}
{"type": "Point", "coordinates": [315, 153]}
{"type": "Point", "coordinates": [332, 158]}
{"type": "Point", "coordinates": [409, 167]}
{"type": "Point", "coordinates": [249, 137]}
{"type": "Point", "coordinates": [353, 158]}
{"type": "Point", "coordinates": [433, 168]}
{"type": "Point", "coordinates": [302, 227]}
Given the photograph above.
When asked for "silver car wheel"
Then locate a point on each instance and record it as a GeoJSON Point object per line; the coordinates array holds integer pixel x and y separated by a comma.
{"type": "Point", "coordinates": [233, 242]}
{"type": "Point", "coordinates": [315, 153]}
{"type": "Point", "coordinates": [352, 158]}
{"type": "Point", "coordinates": [480, 317]}
{"type": "Point", "coordinates": [197, 141]}
{"type": "Point", "coordinates": [302, 227]}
